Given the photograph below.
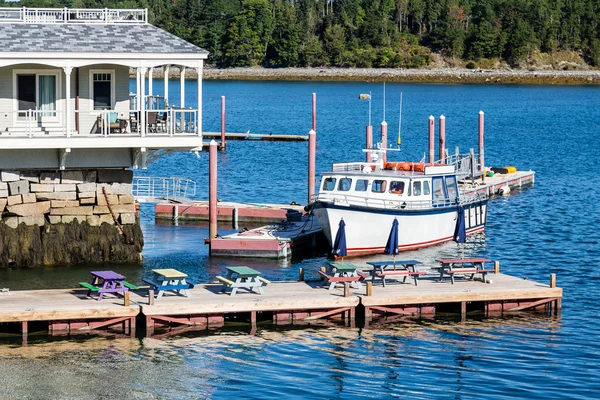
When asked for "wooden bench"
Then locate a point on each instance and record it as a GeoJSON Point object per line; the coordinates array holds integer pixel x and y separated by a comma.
{"type": "Point", "coordinates": [159, 286]}
{"type": "Point", "coordinates": [332, 280]}
{"type": "Point", "coordinates": [129, 286]}
{"type": "Point", "coordinates": [225, 281]}
{"type": "Point", "coordinates": [405, 273]}
{"type": "Point", "coordinates": [89, 286]}
{"type": "Point", "coordinates": [465, 271]}
{"type": "Point", "coordinates": [264, 281]}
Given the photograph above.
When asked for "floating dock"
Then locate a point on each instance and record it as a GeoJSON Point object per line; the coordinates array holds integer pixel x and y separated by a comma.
{"type": "Point", "coordinates": [257, 136]}
{"type": "Point", "coordinates": [227, 212]}
{"type": "Point", "coordinates": [70, 311]}
{"type": "Point", "coordinates": [496, 185]}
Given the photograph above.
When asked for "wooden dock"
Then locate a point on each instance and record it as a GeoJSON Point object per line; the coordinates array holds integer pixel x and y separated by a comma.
{"type": "Point", "coordinates": [496, 185]}
{"type": "Point", "coordinates": [257, 136]}
{"type": "Point", "coordinates": [69, 310]}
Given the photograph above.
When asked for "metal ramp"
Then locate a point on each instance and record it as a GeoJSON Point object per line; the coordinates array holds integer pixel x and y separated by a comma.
{"type": "Point", "coordinates": [152, 189]}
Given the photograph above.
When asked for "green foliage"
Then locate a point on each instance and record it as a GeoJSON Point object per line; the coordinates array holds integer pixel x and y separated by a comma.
{"type": "Point", "coordinates": [368, 33]}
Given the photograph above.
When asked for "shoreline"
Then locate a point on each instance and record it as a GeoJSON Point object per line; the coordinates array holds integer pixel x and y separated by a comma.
{"type": "Point", "coordinates": [477, 76]}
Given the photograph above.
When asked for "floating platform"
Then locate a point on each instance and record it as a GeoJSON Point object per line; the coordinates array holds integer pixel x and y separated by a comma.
{"type": "Point", "coordinates": [496, 185]}
{"type": "Point", "coordinates": [227, 212]}
{"type": "Point", "coordinates": [257, 136]}
{"type": "Point", "coordinates": [271, 241]}
{"type": "Point", "coordinates": [69, 310]}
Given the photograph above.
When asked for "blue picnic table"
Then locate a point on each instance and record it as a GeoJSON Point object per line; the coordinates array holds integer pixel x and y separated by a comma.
{"type": "Point", "coordinates": [169, 279]}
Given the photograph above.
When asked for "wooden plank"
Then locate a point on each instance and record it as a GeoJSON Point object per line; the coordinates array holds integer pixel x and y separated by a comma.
{"type": "Point", "coordinates": [531, 304]}
{"type": "Point", "coordinates": [327, 313]}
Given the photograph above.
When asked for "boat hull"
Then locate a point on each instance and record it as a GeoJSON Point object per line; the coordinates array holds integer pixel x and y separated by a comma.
{"type": "Point", "coordinates": [368, 229]}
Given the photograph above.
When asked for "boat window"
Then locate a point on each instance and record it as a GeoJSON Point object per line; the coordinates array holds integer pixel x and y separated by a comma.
{"type": "Point", "coordinates": [426, 187]}
{"type": "Point", "coordinates": [329, 184]}
{"type": "Point", "coordinates": [452, 189]}
{"type": "Point", "coordinates": [439, 193]}
{"type": "Point", "coordinates": [396, 187]}
{"type": "Point", "coordinates": [416, 188]}
{"type": "Point", "coordinates": [361, 185]}
{"type": "Point", "coordinates": [344, 184]}
{"type": "Point", "coordinates": [378, 186]}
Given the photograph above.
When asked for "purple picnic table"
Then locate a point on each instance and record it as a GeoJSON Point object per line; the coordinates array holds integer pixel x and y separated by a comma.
{"type": "Point", "coordinates": [112, 282]}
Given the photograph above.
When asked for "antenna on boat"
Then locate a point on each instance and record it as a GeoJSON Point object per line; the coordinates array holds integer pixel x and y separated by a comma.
{"type": "Point", "coordinates": [400, 121]}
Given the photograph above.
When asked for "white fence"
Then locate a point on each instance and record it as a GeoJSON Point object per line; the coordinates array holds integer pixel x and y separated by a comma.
{"type": "Point", "coordinates": [152, 189]}
{"type": "Point", "coordinates": [73, 15]}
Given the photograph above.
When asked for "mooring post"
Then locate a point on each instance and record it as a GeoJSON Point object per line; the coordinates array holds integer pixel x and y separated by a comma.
{"type": "Point", "coordinates": [126, 299]}
{"type": "Point", "coordinates": [481, 155]}
{"type": "Point", "coordinates": [369, 141]}
{"type": "Point", "coordinates": [384, 128]}
{"type": "Point", "coordinates": [443, 139]}
{"type": "Point", "coordinates": [552, 280]}
{"type": "Point", "coordinates": [24, 327]}
{"type": "Point", "coordinates": [369, 287]}
{"type": "Point", "coordinates": [312, 160]}
{"type": "Point", "coordinates": [463, 309]}
{"type": "Point", "coordinates": [235, 218]}
{"type": "Point", "coordinates": [496, 267]}
{"type": "Point", "coordinates": [301, 275]}
{"type": "Point", "coordinates": [431, 138]}
{"type": "Point", "coordinates": [223, 142]}
{"type": "Point", "coordinates": [212, 190]}
{"type": "Point", "coordinates": [151, 297]}
{"type": "Point", "coordinates": [346, 289]}
{"type": "Point", "coordinates": [314, 112]}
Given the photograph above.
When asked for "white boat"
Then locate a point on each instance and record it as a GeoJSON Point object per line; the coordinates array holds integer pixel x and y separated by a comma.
{"type": "Point", "coordinates": [369, 195]}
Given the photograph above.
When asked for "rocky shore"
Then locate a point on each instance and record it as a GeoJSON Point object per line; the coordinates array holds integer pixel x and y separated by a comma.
{"type": "Point", "coordinates": [447, 75]}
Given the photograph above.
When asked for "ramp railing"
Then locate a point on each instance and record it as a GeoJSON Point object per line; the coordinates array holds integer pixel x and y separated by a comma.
{"type": "Point", "coordinates": [153, 189]}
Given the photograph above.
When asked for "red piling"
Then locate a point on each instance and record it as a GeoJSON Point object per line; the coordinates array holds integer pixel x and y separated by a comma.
{"type": "Point", "coordinates": [384, 127]}
{"type": "Point", "coordinates": [314, 112]}
{"type": "Point", "coordinates": [312, 158]}
{"type": "Point", "coordinates": [443, 139]}
{"type": "Point", "coordinates": [212, 190]}
{"type": "Point", "coordinates": [369, 141]}
{"type": "Point", "coordinates": [431, 139]}
{"type": "Point", "coordinates": [481, 157]}
{"type": "Point", "coordinates": [223, 143]}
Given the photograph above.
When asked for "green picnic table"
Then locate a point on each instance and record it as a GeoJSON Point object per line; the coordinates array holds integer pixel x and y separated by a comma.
{"type": "Point", "coordinates": [244, 278]}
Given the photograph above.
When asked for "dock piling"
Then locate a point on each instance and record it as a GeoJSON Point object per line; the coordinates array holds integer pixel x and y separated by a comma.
{"type": "Point", "coordinates": [126, 299]}
{"type": "Point", "coordinates": [151, 297]}
{"type": "Point", "coordinates": [552, 280]}
{"type": "Point", "coordinates": [312, 160]}
{"type": "Point", "coordinates": [346, 289]}
{"type": "Point", "coordinates": [301, 275]}
{"type": "Point", "coordinates": [314, 112]}
{"type": "Point", "coordinates": [369, 142]}
{"type": "Point", "coordinates": [496, 267]}
{"type": "Point", "coordinates": [212, 190]}
{"type": "Point", "coordinates": [431, 139]}
{"type": "Point", "coordinates": [443, 139]}
{"type": "Point", "coordinates": [235, 218]}
{"type": "Point", "coordinates": [481, 132]}
{"type": "Point", "coordinates": [369, 287]}
{"type": "Point", "coordinates": [223, 141]}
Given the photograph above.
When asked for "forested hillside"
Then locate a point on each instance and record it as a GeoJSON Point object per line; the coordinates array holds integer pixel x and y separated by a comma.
{"type": "Point", "coordinates": [369, 33]}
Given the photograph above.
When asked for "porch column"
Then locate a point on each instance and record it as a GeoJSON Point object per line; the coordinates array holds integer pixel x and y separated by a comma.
{"type": "Point", "coordinates": [68, 71]}
{"type": "Point", "coordinates": [142, 101]}
{"type": "Point", "coordinates": [181, 100]}
{"type": "Point", "coordinates": [199, 100]}
{"type": "Point", "coordinates": [137, 92]}
{"type": "Point", "coordinates": [150, 73]}
{"type": "Point", "coordinates": [166, 84]}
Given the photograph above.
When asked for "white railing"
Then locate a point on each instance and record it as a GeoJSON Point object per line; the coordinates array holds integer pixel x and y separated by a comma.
{"type": "Point", "coordinates": [393, 204]}
{"type": "Point", "coordinates": [73, 15]}
{"type": "Point", "coordinates": [172, 121]}
{"type": "Point", "coordinates": [150, 188]}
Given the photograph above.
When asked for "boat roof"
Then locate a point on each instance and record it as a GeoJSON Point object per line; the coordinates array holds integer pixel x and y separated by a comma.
{"type": "Point", "coordinates": [375, 169]}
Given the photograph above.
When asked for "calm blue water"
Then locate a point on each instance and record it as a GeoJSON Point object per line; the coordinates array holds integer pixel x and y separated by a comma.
{"type": "Point", "coordinates": [549, 228]}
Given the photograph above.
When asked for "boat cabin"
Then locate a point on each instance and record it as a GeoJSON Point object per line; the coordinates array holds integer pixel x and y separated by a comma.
{"type": "Point", "coordinates": [435, 187]}
{"type": "Point", "coordinates": [65, 98]}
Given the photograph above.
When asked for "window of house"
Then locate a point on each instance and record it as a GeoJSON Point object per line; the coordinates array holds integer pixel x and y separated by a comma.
{"type": "Point", "coordinates": [329, 184]}
{"type": "Point", "coordinates": [362, 185]}
{"type": "Point", "coordinates": [102, 88]}
{"type": "Point", "coordinates": [344, 184]}
{"type": "Point", "coordinates": [378, 186]}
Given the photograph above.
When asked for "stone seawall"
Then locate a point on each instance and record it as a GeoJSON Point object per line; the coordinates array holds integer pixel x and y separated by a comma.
{"type": "Point", "coordinates": [68, 217]}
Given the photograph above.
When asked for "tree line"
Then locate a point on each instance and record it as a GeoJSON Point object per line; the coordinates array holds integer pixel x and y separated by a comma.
{"type": "Point", "coordinates": [368, 33]}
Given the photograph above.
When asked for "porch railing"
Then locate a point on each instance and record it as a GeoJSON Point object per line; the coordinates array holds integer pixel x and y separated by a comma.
{"type": "Point", "coordinates": [72, 15]}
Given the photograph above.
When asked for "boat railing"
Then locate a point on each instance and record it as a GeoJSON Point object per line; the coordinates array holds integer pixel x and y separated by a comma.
{"type": "Point", "coordinates": [400, 204]}
{"type": "Point", "coordinates": [466, 165]}
{"type": "Point", "coordinates": [352, 166]}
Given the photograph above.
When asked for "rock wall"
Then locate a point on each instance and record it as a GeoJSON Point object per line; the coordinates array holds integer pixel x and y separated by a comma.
{"type": "Point", "coordinates": [68, 217]}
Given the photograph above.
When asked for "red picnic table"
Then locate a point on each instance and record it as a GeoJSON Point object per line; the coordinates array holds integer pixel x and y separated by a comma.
{"type": "Point", "coordinates": [468, 266]}
{"type": "Point", "coordinates": [111, 282]}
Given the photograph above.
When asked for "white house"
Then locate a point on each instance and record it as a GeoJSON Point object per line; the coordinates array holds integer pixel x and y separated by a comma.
{"type": "Point", "coordinates": [64, 90]}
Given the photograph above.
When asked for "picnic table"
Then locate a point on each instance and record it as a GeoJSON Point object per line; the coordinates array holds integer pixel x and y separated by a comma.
{"type": "Point", "coordinates": [466, 266]}
{"type": "Point", "coordinates": [404, 268]}
{"type": "Point", "coordinates": [244, 278]}
{"type": "Point", "coordinates": [169, 279]}
{"type": "Point", "coordinates": [340, 272]}
{"type": "Point", "coordinates": [107, 282]}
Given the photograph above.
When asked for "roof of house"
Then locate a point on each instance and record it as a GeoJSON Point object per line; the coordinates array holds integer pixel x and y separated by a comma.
{"type": "Point", "coordinates": [91, 38]}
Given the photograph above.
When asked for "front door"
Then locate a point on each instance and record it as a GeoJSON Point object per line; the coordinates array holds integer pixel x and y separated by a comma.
{"type": "Point", "coordinates": [26, 93]}
{"type": "Point", "coordinates": [47, 97]}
